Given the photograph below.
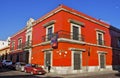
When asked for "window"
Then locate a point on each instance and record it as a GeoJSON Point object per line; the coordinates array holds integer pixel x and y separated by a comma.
{"type": "Point", "coordinates": [76, 31]}
{"type": "Point", "coordinates": [100, 38]}
{"type": "Point", "coordinates": [19, 43]}
{"type": "Point", "coordinates": [13, 45]}
{"type": "Point", "coordinates": [118, 42]}
{"type": "Point", "coordinates": [49, 32]}
{"type": "Point", "coordinates": [28, 41]}
{"type": "Point", "coordinates": [102, 60]}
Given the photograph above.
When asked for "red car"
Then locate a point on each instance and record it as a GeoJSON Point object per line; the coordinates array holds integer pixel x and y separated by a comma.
{"type": "Point", "coordinates": [34, 69]}
{"type": "Point", "coordinates": [0, 64]}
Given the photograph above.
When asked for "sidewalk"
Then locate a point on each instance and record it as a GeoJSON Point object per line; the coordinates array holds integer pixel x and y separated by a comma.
{"type": "Point", "coordinates": [81, 74]}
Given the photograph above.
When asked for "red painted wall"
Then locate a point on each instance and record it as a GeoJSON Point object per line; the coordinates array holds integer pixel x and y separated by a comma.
{"type": "Point", "coordinates": [62, 23]}
{"type": "Point", "coordinates": [18, 35]}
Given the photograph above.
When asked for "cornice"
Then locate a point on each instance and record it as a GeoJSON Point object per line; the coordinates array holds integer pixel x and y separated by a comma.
{"type": "Point", "coordinates": [24, 29]}
{"type": "Point", "coordinates": [62, 8]}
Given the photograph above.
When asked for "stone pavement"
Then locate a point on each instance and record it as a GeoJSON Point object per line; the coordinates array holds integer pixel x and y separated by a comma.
{"type": "Point", "coordinates": [81, 74]}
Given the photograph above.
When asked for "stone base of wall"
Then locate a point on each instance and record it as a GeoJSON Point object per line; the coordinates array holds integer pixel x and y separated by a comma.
{"type": "Point", "coordinates": [69, 70]}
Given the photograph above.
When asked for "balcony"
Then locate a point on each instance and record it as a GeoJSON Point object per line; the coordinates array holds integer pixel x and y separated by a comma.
{"type": "Point", "coordinates": [64, 35]}
{"type": "Point", "coordinates": [25, 45]}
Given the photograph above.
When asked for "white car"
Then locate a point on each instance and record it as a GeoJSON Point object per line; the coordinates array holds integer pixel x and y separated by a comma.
{"type": "Point", "coordinates": [20, 66]}
{"type": "Point", "coordinates": [6, 63]}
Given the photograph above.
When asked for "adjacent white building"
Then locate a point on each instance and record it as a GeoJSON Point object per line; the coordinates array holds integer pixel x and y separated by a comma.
{"type": "Point", "coordinates": [4, 44]}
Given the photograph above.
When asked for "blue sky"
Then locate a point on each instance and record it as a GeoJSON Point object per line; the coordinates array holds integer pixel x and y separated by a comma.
{"type": "Point", "coordinates": [15, 13]}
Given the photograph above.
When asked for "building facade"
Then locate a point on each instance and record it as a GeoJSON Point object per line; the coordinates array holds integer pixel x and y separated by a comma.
{"type": "Point", "coordinates": [71, 42]}
{"type": "Point", "coordinates": [21, 42]}
{"type": "Point", "coordinates": [115, 44]}
{"type": "Point", "coordinates": [4, 49]}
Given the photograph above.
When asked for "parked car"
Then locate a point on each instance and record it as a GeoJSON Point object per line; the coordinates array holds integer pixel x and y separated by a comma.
{"type": "Point", "coordinates": [6, 63]}
{"type": "Point", "coordinates": [20, 66]}
{"type": "Point", "coordinates": [0, 64]}
{"type": "Point", "coordinates": [34, 69]}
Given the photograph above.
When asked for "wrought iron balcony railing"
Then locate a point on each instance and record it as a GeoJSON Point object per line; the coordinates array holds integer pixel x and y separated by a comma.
{"type": "Point", "coordinates": [64, 34]}
{"type": "Point", "coordinates": [100, 42]}
{"type": "Point", "coordinates": [26, 45]}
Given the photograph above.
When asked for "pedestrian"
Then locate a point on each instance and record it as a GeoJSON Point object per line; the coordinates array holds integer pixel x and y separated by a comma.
{"type": "Point", "coordinates": [49, 68]}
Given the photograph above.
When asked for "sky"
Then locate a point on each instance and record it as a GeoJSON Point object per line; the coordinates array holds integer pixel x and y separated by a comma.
{"type": "Point", "coordinates": [15, 13]}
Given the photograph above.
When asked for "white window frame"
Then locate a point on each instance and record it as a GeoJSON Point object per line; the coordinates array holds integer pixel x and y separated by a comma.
{"type": "Point", "coordinates": [50, 59]}
{"type": "Point", "coordinates": [98, 32]}
{"type": "Point", "coordinates": [19, 39]}
{"type": "Point", "coordinates": [47, 30]}
{"type": "Point", "coordinates": [72, 63]}
{"type": "Point", "coordinates": [13, 45]}
{"type": "Point", "coordinates": [79, 30]}
{"type": "Point", "coordinates": [99, 53]}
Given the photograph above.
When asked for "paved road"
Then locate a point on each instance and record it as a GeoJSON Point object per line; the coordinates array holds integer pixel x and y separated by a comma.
{"type": "Point", "coordinates": [5, 73]}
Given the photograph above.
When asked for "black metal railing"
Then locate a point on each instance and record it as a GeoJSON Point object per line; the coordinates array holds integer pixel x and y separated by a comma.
{"type": "Point", "coordinates": [63, 34]}
{"type": "Point", "coordinates": [100, 42]}
{"type": "Point", "coordinates": [25, 45]}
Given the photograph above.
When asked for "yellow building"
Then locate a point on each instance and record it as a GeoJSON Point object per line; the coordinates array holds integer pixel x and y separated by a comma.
{"type": "Point", "coordinates": [4, 53]}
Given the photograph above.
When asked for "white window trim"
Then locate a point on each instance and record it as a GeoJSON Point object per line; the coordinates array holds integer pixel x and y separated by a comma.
{"type": "Point", "coordinates": [50, 59]}
{"type": "Point", "coordinates": [72, 63]}
{"type": "Point", "coordinates": [18, 42]}
{"type": "Point", "coordinates": [48, 28]}
{"type": "Point", "coordinates": [98, 32]}
{"type": "Point", "coordinates": [79, 29]}
{"type": "Point", "coordinates": [99, 53]}
{"type": "Point", "coordinates": [13, 45]}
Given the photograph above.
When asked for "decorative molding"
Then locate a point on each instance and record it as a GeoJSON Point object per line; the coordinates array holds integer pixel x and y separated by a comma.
{"type": "Point", "coordinates": [89, 19]}
{"type": "Point", "coordinates": [96, 45]}
{"type": "Point", "coordinates": [102, 52]}
{"type": "Point", "coordinates": [77, 49]}
{"type": "Point", "coordinates": [48, 49]}
{"type": "Point", "coordinates": [74, 13]}
{"type": "Point", "coordinates": [70, 41]}
{"type": "Point", "coordinates": [99, 30]}
{"type": "Point", "coordinates": [76, 22]}
{"type": "Point", "coordinates": [24, 29]}
{"type": "Point", "coordinates": [49, 23]}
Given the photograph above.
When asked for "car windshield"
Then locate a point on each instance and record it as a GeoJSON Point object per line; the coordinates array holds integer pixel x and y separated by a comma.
{"type": "Point", "coordinates": [28, 65]}
{"type": "Point", "coordinates": [8, 61]}
{"type": "Point", "coordinates": [23, 64]}
{"type": "Point", "coordinates": [35, 65]}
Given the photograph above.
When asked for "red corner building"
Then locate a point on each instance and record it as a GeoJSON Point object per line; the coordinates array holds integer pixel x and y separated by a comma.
{"type": "Point", "coordinates": [70, 41]}
{"type": "Point", "coordinates": [21, 44]}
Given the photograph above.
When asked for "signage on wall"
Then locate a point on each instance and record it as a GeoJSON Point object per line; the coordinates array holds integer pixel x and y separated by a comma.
{"type": "Point", "coordinates": [54, 41]}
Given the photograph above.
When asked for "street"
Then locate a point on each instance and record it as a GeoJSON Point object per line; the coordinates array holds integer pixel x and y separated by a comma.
{"type": "Point", "coordinates": [6, 73]}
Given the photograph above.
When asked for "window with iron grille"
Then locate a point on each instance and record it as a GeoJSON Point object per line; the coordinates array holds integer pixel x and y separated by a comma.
{"type": "Point", "coordinates": [76, 32]}
{"type": "Point", "coordinates": [50, 33]}
{"type": "Point", "coordinates": [19, 43]}
{"type": "Point", "coordinates": [100, 38]}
